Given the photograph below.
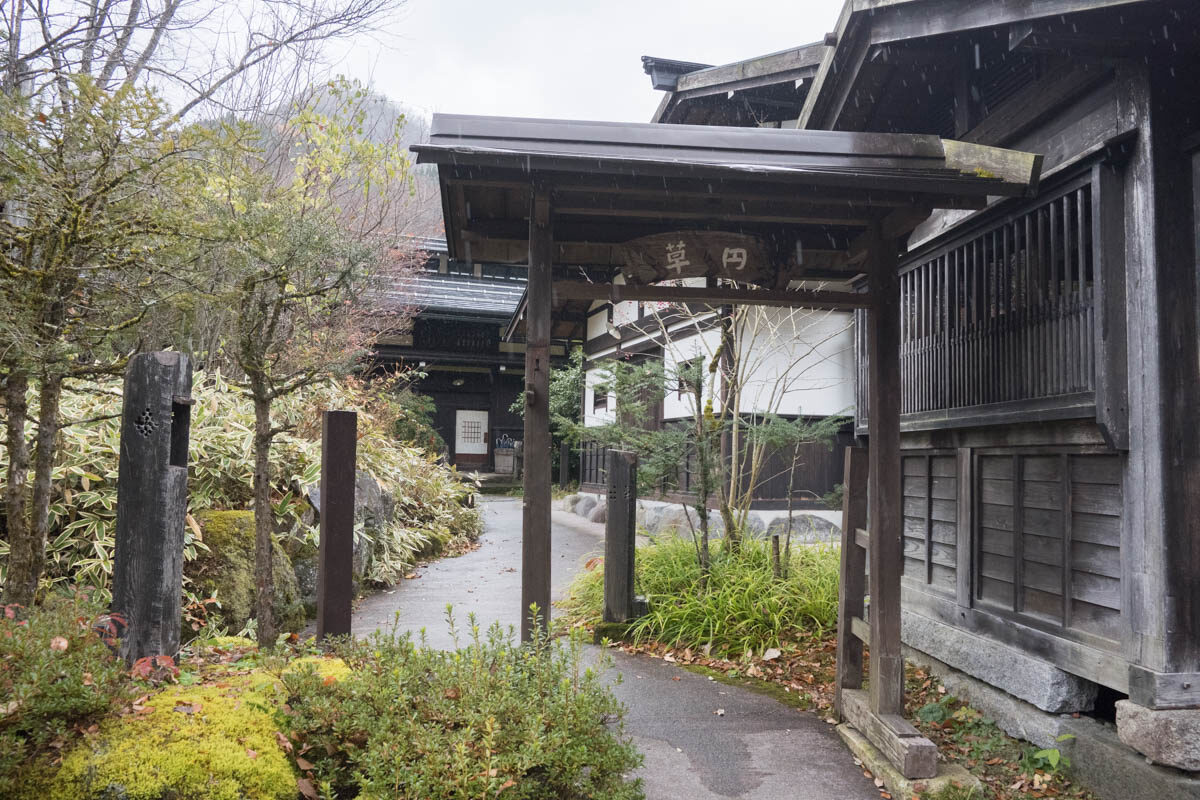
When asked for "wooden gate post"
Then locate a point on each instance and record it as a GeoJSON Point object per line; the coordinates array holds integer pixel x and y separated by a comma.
{"type": "Point", "coordinates": [535, 517]}
{"type": "Point", "coordinates": [152, 504]}
{"type": "Point", "coordinates": [886, 518]}
{"type": "Point", "coordinates": [620, 533]}
{"type": "Point", "coordinates": [335, 565]}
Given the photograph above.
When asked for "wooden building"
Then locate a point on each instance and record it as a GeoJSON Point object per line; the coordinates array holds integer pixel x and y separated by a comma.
{"type": "Point", "coordinates": [1049, 344]}
{"type": "Point", "coordinates": [796, 363]}
{"type": "Point", "coordinates": [472, 374]}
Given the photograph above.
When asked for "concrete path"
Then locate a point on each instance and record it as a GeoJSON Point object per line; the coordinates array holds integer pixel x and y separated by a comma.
{"type": "Point", "coordinates": [758, 749]}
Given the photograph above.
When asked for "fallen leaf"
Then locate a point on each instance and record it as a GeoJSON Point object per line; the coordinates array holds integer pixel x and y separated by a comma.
{"type": "Point", "coordinates": [506, 784]}
{"type": "Point", "coordinates": [669, 658]}
{"type": "Point", "coordinates": [303, 763]}
{"type": "Point", "coordinates": [59, 643]}
{"type": "Point", "coordinates": [329, 680]}
{"type": "Point", "coordinates": [251, 753]}
{"type": "Point", "coordinates": [87, 679]}
{"type": "Point", "coordinates": [452, 693]}
{"type": "Point", "coordinates": [307, 789]}
{"type": "Point", "coordinates": [771, 654]}
{"type": "Point", "coordinates": [195, 526]}
{"type": "Point", "coordinates": [284, 742]}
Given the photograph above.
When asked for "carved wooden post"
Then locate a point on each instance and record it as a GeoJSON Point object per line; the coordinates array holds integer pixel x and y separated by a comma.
{"type": "Point", "coordinates": [335, 566]}
{"type": "Point", "coordinates": [152, 504]}
{"type": "Point", "coordinates": [619, 536]}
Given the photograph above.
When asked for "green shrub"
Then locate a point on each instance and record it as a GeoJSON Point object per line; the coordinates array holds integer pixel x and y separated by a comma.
{"type": "Point", "coordinates": [56, 673]}
{"type": "Point", "coordinates": [493, 718]}
{"type": "Point", "coordinates": [743, 608]}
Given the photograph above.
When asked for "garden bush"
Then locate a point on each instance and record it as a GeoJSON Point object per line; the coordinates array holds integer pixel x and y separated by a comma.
{"type": "Point", "coordinates": [743, 608]}
{"type": "Point", "coordinates": [56, 674]}
{"type": "Point", "coordinates": [491, 719]}
{"type": "Point", "coordinates": [430, 508]}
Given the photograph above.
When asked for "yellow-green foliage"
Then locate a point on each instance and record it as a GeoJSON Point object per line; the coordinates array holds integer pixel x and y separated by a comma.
{"type": "Point", "coordinates": [226, 570]}
{"type": "Point", "coordinates": [213, 742]}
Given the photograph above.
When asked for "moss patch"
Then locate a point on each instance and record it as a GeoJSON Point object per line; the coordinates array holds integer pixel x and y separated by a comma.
{"type": "Point", "coordinates": [211, 742]}
{"type": "Point", "coordinates": [227, 571]}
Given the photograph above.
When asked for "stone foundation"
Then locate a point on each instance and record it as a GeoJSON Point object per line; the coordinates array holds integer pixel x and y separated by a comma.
{"type": "Point", "coordinates": [1170, 737]}
{"type": "Point", "coordinates": [1105, 758]}
{"type": "Point", "coordinates": [1017, 673]}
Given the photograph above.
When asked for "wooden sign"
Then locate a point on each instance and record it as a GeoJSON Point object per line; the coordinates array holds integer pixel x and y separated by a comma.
{"type": "Point", "coordinates": [695, 254]}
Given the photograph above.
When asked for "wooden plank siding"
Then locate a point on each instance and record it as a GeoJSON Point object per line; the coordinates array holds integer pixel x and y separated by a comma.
{"type": "Point", "coordinates": [930, 520]}
{"type": "Point", "coordinates": [1046, 536]}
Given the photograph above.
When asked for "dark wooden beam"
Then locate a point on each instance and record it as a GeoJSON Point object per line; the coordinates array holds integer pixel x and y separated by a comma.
{"type": "Point", "coordinates": [793, 298]}
{"type": "Point", "coordinates": [680, 187]}
{"type": "Point", "coordinates": [920, 20]}
{"type": "Point", "coordinates": [1032, 104]}
{"type": "Point", "coordinates": [884, 485]}
{"type": "Point", "coordinates": [535, 546]}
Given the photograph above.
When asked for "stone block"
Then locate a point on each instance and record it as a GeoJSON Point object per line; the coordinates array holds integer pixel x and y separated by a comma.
{"type": "Point", "coordinates": [585, 505]}
{"type": "Point", "coordinates": [1112, 771]}
{"type": "Point", "coordinates": [1020, 674]}
{"type": "Point", "coordinates": [570, 501]}
{"type": "Point", "coordinates": [950, 776]}
{"type": "Point", "coordinates": [806, 529]}
{"type": "Point", "coordinates": [1170, 737]}
{"type": "Point", "coordinates": [599, 513]}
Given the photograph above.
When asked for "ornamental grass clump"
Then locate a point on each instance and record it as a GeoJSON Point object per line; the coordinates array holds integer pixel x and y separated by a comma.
{"type": "Point", "coordinates": [742, 608]}
{"type": "Point", "coordinates": [491, 719]}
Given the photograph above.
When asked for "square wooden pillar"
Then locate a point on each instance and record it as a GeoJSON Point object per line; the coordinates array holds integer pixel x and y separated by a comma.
{"type": "Point", "coordinates": [885, 511]}
{"type": "Point", "coordinates": [535, 546]}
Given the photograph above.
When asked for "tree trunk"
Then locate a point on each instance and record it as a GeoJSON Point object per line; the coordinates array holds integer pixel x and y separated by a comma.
{"type": "Point", "coordinates": [49, 397]}
{"type": "Point", "coordinates": [264, 575]}
{"type": "Point", "coordinates": [20, 587]}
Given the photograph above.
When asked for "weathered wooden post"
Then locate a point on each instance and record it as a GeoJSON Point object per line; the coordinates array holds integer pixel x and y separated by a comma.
{"type": "Point", "coordinates": [564, 465]}
{"type": "Point", "coordinates": [620, 533]}
{"type": "Point", "coordinates": [152, 504]}
{"type": "Point", "coordinates": [535, 517]}
{"type": "Point", "coordinates": [335, 565]}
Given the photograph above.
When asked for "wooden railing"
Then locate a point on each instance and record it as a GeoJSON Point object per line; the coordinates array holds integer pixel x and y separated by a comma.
{"type": "Point", "coordinates": [1004, 314]}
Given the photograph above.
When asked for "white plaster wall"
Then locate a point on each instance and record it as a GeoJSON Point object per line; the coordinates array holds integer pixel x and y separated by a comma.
{"type": "Point", "coordinates": [680, 349]}
{"type": "Point", "coordinates": [798, 361]}
{"type": "Point", "coordinates": [591, 418]}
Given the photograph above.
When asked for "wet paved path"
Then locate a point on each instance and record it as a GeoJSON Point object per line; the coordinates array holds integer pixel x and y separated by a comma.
{"type": "Point", "coordinates": [759, 749]}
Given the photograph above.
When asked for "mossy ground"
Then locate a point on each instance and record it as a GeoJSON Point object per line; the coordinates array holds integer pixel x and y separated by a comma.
{"type": "Point", "coordinates": [213, 737]}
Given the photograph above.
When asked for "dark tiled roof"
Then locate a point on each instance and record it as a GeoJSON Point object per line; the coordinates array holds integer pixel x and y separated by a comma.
{"type": "Point", "coordinates": [462, 296]}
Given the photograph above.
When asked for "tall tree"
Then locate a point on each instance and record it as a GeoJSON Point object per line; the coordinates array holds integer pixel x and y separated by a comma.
{"type": "Point", "coordinates": [299, 229]}
{"type": "Point", "coordinates": [79, 171]}
{"type": "Point", "coordinates": [80, 238]}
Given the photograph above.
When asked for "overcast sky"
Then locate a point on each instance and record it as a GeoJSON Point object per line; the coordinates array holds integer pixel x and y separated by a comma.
{"type": "Point", "coordinates": [566, 58]}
